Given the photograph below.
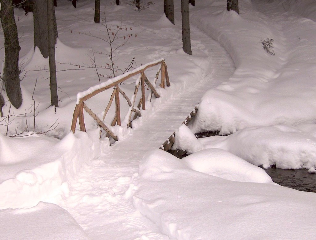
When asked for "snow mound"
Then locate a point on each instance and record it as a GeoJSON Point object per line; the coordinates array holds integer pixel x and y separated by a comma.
{"type": "Point", "coordinates": [220, 163]}
{"type": "Point", "coordinates": [46, 179]}
{"type": "Point", "coordinates": [37, 226]}
{"type": "Point", "coordinates": [185, 139]}
{"type": "Point", "coordinates": [186, 204]}
{"type": "Point", "coordinates": [280, 145]}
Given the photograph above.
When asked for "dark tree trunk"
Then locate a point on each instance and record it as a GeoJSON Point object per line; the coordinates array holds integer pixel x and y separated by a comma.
{"type": "Point", "coordinates": [192, 2]}
{"type": "Point", "coordinates": [169, 10]}
{"type": "Point", "coordinates": [117, 2]}
{"type": "Point", "coordinates": [97, 11]}
{"type": "Point", "coordinates": [1, 105]}
{"type": "Point", "coordinates": [41, 27]}
{"type": "Point", "coordinates": [74, 3]}
{"type": "Point", "coordinates": [137, 2]}
{"type": "Point", "coordinates": [233, 5]}
{"type": "Point", "coordinates": [51, 51]}
{"type": "Point", "coordinates": [186, 39]}
{"type": "Point", "coordinates": [12, 48]}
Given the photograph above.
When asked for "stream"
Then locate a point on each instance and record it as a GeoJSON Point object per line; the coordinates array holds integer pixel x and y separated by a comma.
{"type": "Point", "coordinates": [299, 179]}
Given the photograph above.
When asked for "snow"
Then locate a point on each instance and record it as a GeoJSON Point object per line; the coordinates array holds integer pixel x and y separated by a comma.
{"type": "Point", "coordinates": [58, 185]}
{"type": "Point", "coordinates": [24, 223]}
{"type": "Point", "coordinates": [186, 204]}
{"type": "Point", "coordinates": [223, 164]}
{"type": "Point", "coordinates": [41, 170]}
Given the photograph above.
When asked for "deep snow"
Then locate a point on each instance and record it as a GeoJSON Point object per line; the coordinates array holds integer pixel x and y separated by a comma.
{"type": "Point", "coordinates": [267, 105]}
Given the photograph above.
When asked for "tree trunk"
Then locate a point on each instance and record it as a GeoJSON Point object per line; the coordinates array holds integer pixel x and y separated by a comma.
{"type": "Point", "coordinates": [186, 39]}
{"type": "Point", "coordinates": [117, 2]}
{"type": "Point", "coordinates": [137, 3]}
{"type": "Point", "coordinates": [233, 5]}
{"type": "Point", "coordinates": [192, 2]}
{"type": "Point", "coordinates": [97, 11]}
{"type": "Point", "coordinates": [74, 3]}
{"type": "Point", "coordinates": [51, 51]}
{"type": "Point", "coordinates": [1, 104]}
{"type": "Point", "coordinates": [169, 10]}
{"type": "Point", "coordinates": [41, 26]}
{"type": "Point", "coordinates": [12, 48]}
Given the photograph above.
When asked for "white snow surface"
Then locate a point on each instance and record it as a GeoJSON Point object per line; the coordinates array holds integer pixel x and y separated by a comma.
{"type": "Point", "coordinates": [59, 185]}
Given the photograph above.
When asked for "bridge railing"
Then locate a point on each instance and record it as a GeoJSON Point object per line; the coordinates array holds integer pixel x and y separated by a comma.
{"type": "Point", "coordinates": [114, 85]}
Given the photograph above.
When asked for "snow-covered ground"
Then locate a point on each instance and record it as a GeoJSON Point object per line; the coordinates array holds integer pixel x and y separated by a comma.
{"type": "Point", "coordinates": [59, 185]}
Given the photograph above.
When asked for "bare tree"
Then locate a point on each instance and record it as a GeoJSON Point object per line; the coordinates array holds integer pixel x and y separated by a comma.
{"type": "Point", "coordinates": [97, 11]}
{"type": "Point", "coordinates": [233, 5]}
{"type": "Point", "coordinates": [51, 51]}
{"type": "Point", "coordinates": [186, 39]}
{"type": "Point", "coordinates": [169, 10]}
{"type": "Point", "coordinates": [117, 2]}
{"type": "Point", "coordinates": [192, 2]}
{"type": "Point", "coordinates": [12, 48]}
{"type": "Point", "coordinates": [41, 26]}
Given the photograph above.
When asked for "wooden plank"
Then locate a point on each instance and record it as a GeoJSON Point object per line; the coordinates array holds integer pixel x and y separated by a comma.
{"type": "Point", "coordinates": [163, 75]}
{"type": "Point", "coordinates": [133, 104]}
{"type": "Point", "coordinates": [81, 118]}
{"type": "Point", "coordinates": [126, 97]}
{"type": "Point", "coordinates": [151, 87]}
{"type": "Point", "coordinates": [143, 91]}
{"type": "Point", "coordinates": [74, 118]}
{"type": "Point", "coordinates": [167, 75]}
{"type": "Point", "coordinates": [109, 104]}
{"type": "Point", "coordinates": [95, 117]}
{"type": "Point", "coordinates": [118, 106]}
{"type": "Point", "coordinates": [117, 82]}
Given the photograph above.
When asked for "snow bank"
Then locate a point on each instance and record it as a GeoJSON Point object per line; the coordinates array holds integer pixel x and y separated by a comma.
{"type": "Point", "coordinates": [34, 223]}
{"type": "Point", "coordinates": [45, 179]}
{"type": "Point", "coordinates": [283, 146]}
{"type": "Point", "coordinates": [186, 140]}
{"type": "Point", "coordinates": [220, 163]}
{"type": "Point", "coordinates": [186, 204]}
{"type": "Point", "coordinates": [265, 89]}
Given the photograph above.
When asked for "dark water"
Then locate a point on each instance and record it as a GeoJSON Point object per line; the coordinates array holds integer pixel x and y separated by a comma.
{"type": "Point", "coordinates": [299, 179]}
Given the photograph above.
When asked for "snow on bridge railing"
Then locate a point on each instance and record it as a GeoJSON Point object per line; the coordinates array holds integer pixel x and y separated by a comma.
{"type": "Point", "coordinates": [114, 84]}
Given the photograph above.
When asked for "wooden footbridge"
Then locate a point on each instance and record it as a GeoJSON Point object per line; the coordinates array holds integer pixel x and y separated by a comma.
{"type": "Point", "coordinates": [114, 85]}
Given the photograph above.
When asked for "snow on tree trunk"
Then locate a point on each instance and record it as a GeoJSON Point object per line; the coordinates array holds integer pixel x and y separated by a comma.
{"type": "Point", "coordinates": [41, 26]}
{"type": "Point", "coordinates": [233, 5]}
{"type": "Point", "coordinates": [12, 48]}
{"type": "Point", "coordinates": [51, 51]}
{"type": "Point", "coordinates": [169, 10]}
{"type": "Point", "coordinates": [186, 39]}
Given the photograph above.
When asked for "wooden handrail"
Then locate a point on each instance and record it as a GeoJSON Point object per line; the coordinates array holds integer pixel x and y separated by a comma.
{"type": "Point", "coordinates": [114, 83]}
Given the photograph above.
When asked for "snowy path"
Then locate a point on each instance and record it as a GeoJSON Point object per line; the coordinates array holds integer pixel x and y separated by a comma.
{"type": "Point", "coordinates": [102, 187]}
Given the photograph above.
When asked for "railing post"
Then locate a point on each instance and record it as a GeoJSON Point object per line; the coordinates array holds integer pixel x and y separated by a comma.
{"type": "Point", "coordinates": [143, 90]}
{"type": "Point", "coordinates": [74, 118]}
{"type": "Point", "coordinates": [166, 74]}
{"type": "Point", "coordinates": [117, 104]}
{"type": "Point", "coordinates": [81, 118]}
{"type": "Point", "coordinates": [163, 74]}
